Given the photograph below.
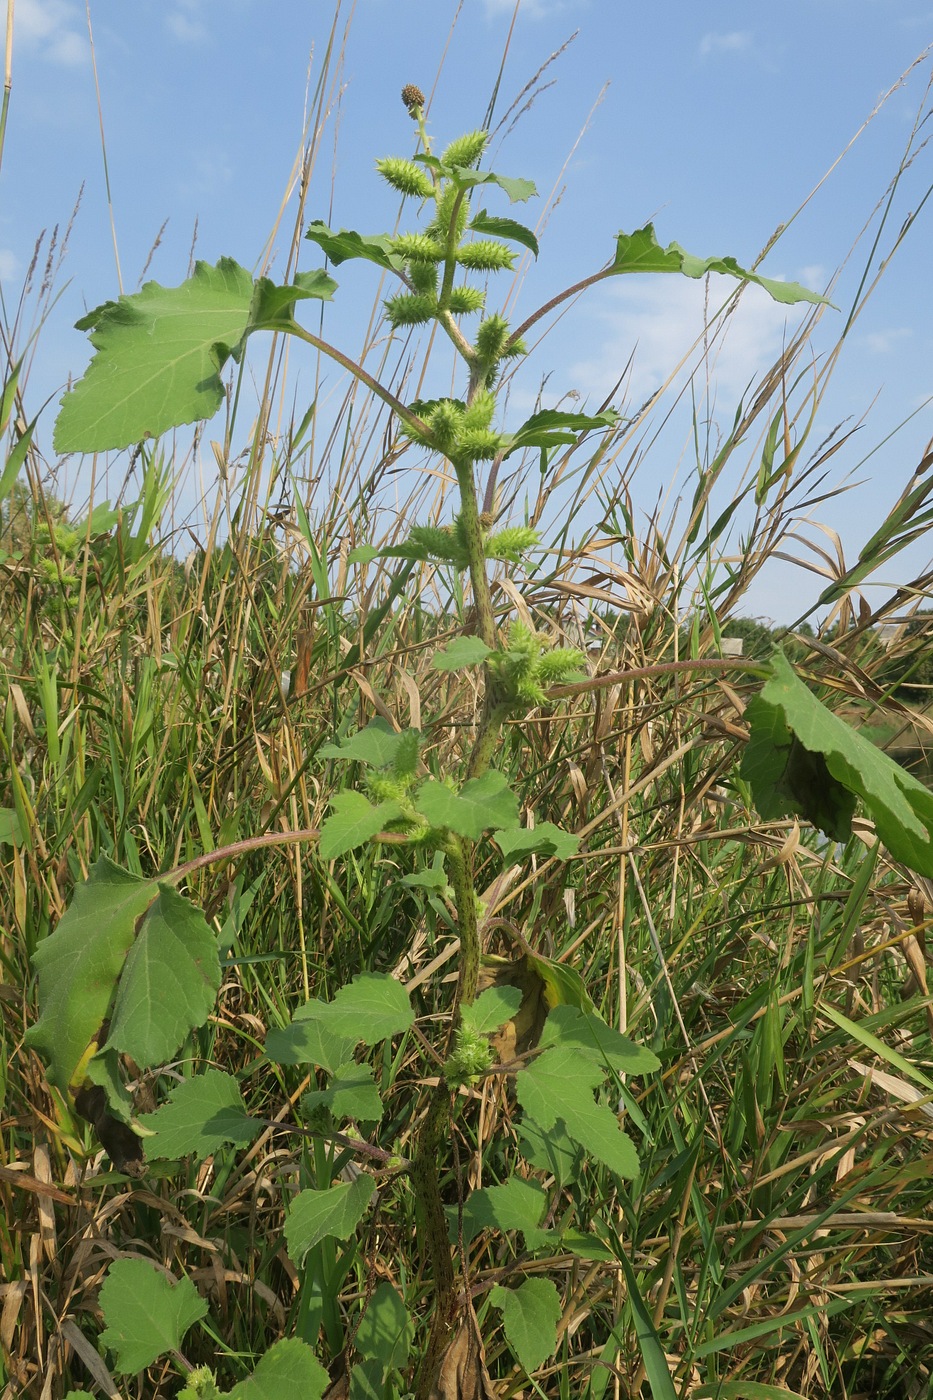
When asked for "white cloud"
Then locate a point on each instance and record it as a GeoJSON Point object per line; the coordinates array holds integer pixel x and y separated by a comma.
{"type": "Point", "coordinates": [9, 265]}
{"type": "Point", "coordinates": [185, 23]}
{"type": "Point", "coordinates": [53, 29]}
{"type": "Point", "coordinates": [735, 41]}
{"type": "Point", "coordinates": [884, 341]}
{"type": "Point", "coordinates": [656, 322]}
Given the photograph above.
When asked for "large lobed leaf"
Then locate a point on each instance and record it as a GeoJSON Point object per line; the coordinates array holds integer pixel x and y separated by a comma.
{"type": "Point", "coordinates": [147, 1314]}
{"type": "Point", "coordinates": [803, 760]}
{"type": "Point", "coordinates": [160, 353]}
{"type": "Point", "coordinates": [78, 965]}
{"type": "Point", "coordinates": [370, 1008]}
{"type": "Point", "coordinates": [560, 1084]}
{"type": "Point", "coordinates": [332, 1213]}
{"type": "Point", "coordinates": [530, 1314]}
{"type": "Point", "coordinates": [200, 1116]}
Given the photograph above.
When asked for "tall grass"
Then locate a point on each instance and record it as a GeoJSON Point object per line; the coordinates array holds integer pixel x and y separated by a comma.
{"type": "Point", "coordinates": [779, 1233]}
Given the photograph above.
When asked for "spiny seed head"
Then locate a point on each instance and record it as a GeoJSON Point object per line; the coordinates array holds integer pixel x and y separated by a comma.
{"type": "Point", "coordinates": [466, 150]}
{"type": "Point", "coordinates": [485, 255]}
{"type": "Point", "coordinates": [464, 300]}
{"type": "Point", "coordinates": [423, 277]}
{"type": "Point", "coordinates": [491, 338]}
{"type": "Point", "coordinates": [481, 410]}
{"type": "Point", "coordinates": [407, 310]}
{"type": "Point", "coordinates": [418, 247]}
{"type": "Point", "coordinates": [405, 176]}
{"type": "Point", "coordinates": [413, 97]}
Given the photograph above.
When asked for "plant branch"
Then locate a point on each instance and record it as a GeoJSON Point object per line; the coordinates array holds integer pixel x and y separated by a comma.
{"type": "Point", "coordinates": [556, 301]}
{"type": "Point", "coordinates": [358, 372]}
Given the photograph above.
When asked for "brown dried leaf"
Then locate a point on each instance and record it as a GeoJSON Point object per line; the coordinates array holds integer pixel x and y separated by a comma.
{"type": "Point", "coordinates": [462, 1373]}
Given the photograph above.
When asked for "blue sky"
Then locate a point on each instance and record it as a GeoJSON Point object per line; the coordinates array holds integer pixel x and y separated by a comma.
{"type": "Point", "coordinates": [715, 121]}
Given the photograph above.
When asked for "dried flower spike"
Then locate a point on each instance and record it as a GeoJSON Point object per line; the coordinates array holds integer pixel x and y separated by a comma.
{"type": "Point", "coordinates": [413, 97]}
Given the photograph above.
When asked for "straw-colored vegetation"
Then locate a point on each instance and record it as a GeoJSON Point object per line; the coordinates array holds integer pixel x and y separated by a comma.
{"type": "Point", "coordinates": [777, 1236]}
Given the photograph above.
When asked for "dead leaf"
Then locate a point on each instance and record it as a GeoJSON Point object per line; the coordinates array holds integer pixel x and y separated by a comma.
{"type": "Point", "coordinates": [462, 1373]}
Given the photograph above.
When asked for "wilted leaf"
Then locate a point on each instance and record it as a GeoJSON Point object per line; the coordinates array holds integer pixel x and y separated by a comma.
{"type": "Point", "coordinates": [146, 1313]}
{"type": "Point", "coordinates": [461, 1373]}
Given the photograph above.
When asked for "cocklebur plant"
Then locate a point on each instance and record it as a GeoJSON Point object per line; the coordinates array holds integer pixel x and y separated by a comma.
{"type": "Point", "coordinates": [133, 969]}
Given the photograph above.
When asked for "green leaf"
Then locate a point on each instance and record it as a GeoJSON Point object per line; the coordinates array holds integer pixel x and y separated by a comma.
{"type": "Point", "coordinates": [588, 1035]}
{"type": "Point", "coordinates": [426, 880]}
{"type": "Point", "coordinates": [309, 1040]}
{"type": "Point", "coordinates": [491, 1009]}
{"type": "Point", "coordinates": [504, 228]}
{"type": "Point", "coordinates": [79, 964]}
{"type": "Point", "coordinates": [288, 1371]}
{"type": "Point", "coordinates": [352, 1093]}
{"type": "Point", "coordinates": [551, 1149]}
{"type": "Point", "coordinates": [353, 821]}
{"type": "Point", "coordinates": [146, 1313]}
{"type": "Point", "coordinates": [14, 462]}
{"type": "Point", "coordinates": [746, 1390]}
{"type": "Point", "coordinates": [385, 1331]}
{"type": "Point", "coordinates": [345, 244]}
{"type": "Point", "coordinates": [553, 427]}
{"type": "Point", "coordinates": [652, 1352]}
{"type": "Point", "coordinates": [480, 804]}
{"type": "Point", "coordinates": [545, 839]}
{"type": "Point", "coordinates": [319, 1215]}
{"type": "Point", "coordinates": [461, 652]}
{"type": "Point", "coordinates": [641, 252]}
{"type": "Point", "coordinates": [372, 1007]}
{"type": "Point", "coordinates": [201, 1114]}
{"type": "Point", "coordinates": [376, 745]}
{"type": "Point", "coordinates": [530, 1314]}
{"type": "Point", "coordinates": [802, 759]}
{"type": "Point", "coordinates": [560, 1084]}
{"type": "Point", "coordinates": [158, 362]}
{"type": "Point", "coordinates": [273, 308]}
{"type": "Point", "coordinates": [169, 982]}
{"type": "Point", "coordinates": [518, 190]}
{"type": "Point", "coordinates": [516, 1205]}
